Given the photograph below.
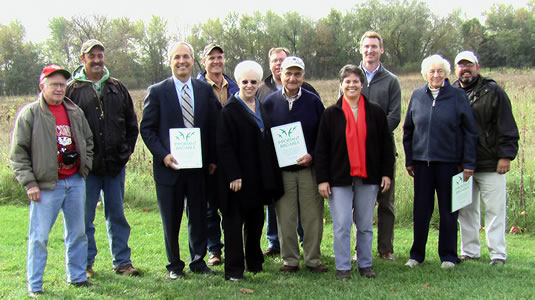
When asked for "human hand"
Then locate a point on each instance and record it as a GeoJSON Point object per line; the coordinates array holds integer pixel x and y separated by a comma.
{"type": "Point", "coordinates": [324, 189]}
{"type": "Point", "coordinates": [235, 185]}
{"type": "Point", "coordinates": [34, 193]}
{"type": "Point", "coordinates": [305, 161]}
{"type": "Point", "coordinates": [504, 165]}
{"type": "Point", "coordinates": [385, 183]}
{"type": "Point", "coordinates": [170, 162]}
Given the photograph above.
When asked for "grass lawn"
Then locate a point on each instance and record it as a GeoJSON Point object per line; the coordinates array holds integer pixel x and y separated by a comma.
{"type": "Point", "coordinates": [469, 280]}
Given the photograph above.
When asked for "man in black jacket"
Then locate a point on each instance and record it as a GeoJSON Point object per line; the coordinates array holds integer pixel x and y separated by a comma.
{"type": "Point", "coordinates": [108, 107]}
{"type": "Point", "coordinates": [496, 147]}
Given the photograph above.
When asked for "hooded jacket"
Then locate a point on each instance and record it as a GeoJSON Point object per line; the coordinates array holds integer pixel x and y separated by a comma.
{"type": "Point", "coordinates": [498, 133]}
{"type": "Point", "coordinates": [111, 117]}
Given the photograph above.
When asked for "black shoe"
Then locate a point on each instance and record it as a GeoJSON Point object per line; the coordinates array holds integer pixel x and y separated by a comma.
{"type": "Point", "coordinates": [234, 278]}
{"type": "Point", "coordinates": [81, 284]}
{"type": "Point", "coordinates": [367, 272]}
{"type": "Point", "coordinates": [497, 261]}
{"type": "Point", "coordinates": [204, 270]}
{"type": "Point", "coordinates": [174, 275]}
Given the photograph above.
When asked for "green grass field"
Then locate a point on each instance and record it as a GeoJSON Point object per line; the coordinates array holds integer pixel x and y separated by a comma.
{"type": "Point", "coordinates": [469, 280]}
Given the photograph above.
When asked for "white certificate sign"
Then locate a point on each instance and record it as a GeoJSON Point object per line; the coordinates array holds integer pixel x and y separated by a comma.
{"type": "Point", "coordinates": [289, 143]}
{"type": "Point", "coordinates": [461, 192]}
{"type": "Point", "coordinates": [185, 144]}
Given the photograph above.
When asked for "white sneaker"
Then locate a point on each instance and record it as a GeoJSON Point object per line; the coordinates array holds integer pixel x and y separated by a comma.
{"type": "Point", "coordinates": [447, 265]}
{"type": "Point", "coordinates": [412, 263]}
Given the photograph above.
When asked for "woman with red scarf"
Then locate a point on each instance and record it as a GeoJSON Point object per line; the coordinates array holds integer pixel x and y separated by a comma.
{"type": "Point", "coordinates": [354, 159]}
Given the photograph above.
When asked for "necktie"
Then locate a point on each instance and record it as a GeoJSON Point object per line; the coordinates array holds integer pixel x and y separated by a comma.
{"type": "Point", "coordinates": [187, 108]}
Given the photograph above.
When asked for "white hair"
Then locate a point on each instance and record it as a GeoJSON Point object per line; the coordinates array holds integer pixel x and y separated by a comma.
{"type": "Point", "coordinates": [248, 66]}
{"type": "Point", "coordinates": [428, 62]}
{"type": "Point", "coordinates": [171, 50]}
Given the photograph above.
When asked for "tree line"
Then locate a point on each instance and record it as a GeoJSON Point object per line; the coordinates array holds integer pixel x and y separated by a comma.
{"type": "Point", "coordinates": [136, 51]}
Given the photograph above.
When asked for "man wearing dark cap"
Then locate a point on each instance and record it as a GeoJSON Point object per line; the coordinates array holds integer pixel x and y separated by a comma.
{"type": "Point", "coordinates": [213, 60]}
{"type": "Point", "coordinates": [53, 175]}
{"type": "Point", "coordinates": [110, 112]}
{"type": "Point", "coordinates": [497, 146]}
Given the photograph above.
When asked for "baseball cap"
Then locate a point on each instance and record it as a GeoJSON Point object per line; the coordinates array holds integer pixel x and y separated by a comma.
{"type": "Point", "coordinates": [466, 55]}
{"type": "Point", "coordinates": [292, 61]}
{"type": "Point", "coordinates": [52, 69]}
{"type": "Point", "coordinates": [209, 49]}
{"type": "Point", "coordinates": [89, 44]}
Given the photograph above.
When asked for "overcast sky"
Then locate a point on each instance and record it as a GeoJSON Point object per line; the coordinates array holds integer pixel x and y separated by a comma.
{"type": "Point", "coordinates": [34, 15]}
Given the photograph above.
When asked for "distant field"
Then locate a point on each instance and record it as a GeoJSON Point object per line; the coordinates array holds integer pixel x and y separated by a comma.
{"type": "Point", "coordinates": [519, 84]}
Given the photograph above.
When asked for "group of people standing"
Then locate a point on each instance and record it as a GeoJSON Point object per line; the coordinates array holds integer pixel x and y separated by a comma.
{"type": "Point", "coordinates": [86, 130]}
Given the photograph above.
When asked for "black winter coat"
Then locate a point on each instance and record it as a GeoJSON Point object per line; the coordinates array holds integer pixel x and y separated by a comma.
{"type": "Point", "coordinates": [243, 152]}
{"type": "Point", "coordinates": [498, 133]}
{"type": "Point", "coordinates": [332, 159]}
{"type": "Point", "coordinates": [112, 120]}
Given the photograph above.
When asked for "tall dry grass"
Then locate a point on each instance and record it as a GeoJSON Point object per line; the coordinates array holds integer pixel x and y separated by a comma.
{"type": "Point", "coordinates": [519, 84]}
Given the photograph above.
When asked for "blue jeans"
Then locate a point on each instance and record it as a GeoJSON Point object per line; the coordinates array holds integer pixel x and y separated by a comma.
{"type": "Point", "coordinates": [358, 199]}
{"type": "Point", "coordinates": [271, 230]}
{"type": "Point", "coordinates": [213, 219]}
{"type": "Point", "coordinates": [68, 196]}
{"type": "Point", "coordinates": [116, 223]}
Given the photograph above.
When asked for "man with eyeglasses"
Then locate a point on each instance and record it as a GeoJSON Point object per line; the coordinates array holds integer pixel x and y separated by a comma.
{"type": "Point", "coordinates": [496, 147]}
{"type": "Point", "coordinates": [273, 83]}
{"type": "Point", "coordinates": [109, 110]}
{"type": "Point", "coordinates": [51, 154]}
{"type": "Point", "coordinates": [213, 60]}
{"type": "Point", "coordinates": [301, 200]}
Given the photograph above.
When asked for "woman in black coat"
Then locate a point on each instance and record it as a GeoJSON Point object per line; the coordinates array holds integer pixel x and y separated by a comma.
{"type": "Point", "coordinates": [249, 176]}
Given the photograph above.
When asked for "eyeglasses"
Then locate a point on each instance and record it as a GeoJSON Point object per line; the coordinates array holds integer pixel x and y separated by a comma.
{"type": "Point", "coordinates": [465, 65]}
{"type": "Point", "coordinates": [439, 72]}
{"type": "Point", "coordinates": [253, 82]}
{"type": "Point", "coordinates": [55, 85]}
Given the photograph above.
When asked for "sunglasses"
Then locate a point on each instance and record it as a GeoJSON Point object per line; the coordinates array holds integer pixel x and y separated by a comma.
{"type": "Point", "coordinates": [253, 82]}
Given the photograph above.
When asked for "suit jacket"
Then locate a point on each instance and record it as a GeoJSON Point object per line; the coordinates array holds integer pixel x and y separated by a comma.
{"type": "Point", "coordinates": [162, 111]}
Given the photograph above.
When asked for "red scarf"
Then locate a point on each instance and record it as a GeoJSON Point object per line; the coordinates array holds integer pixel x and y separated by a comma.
{"type": "Point", "coordinates": [356, 138]}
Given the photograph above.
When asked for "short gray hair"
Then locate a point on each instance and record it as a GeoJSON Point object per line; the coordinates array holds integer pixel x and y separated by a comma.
{"type": "Point", "coordinates": [248, 66]}
{"type": "Point", "coordinates": [175, 45]}
{"type": "Point", "coordinates": [428, 62]}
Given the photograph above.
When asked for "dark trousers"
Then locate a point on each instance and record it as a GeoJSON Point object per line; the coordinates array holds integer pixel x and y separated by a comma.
{"type": "Point", "coordinates": [386, 218]}
{"type": "Point", "coordinates": [213, 219]}
{"type": "Point", "coordinates": [190, 185]}
{"type": "Point", "coordinates": [241, 224]}
{"type": "Point", "coordinates": [428, 178]}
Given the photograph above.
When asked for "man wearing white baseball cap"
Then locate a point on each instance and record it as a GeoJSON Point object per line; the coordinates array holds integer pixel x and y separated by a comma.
{"type": "Point", "coordinates": [496, 147]}
{"type": "Point", "coordinates": [301, 200]}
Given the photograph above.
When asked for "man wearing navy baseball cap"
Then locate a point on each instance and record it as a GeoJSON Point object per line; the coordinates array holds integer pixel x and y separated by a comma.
{"type": "Point", "coordinates": [53, 176]}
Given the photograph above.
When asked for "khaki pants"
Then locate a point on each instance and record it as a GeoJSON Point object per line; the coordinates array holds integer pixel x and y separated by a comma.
{"type": "Point", "coordinates": [300, 189]}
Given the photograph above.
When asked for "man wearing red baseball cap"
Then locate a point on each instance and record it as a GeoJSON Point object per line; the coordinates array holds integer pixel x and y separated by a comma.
{"type": "Point", "coordinates": [53, 174]}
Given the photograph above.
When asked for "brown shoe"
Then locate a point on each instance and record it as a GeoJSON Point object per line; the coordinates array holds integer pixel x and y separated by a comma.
{"type": "Point", "coordinates": [89, 271]}
{"type": "Point", "coordinates": [271, 252]}
{"type": "Point", "coordinates": [215, 259]}
{"type": "Point", "coordinates": [386, 256]}
{"type": "Point", "coordinates": [367, 272]}
{"type": "Point", "coordinates": [321, 268]}
{"type": "Point", "coordinates": [287, 268]}
{"type": "Point", "coordinates": [127, 270]}
{"type": "Point", "coordinates": [343, 275]}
